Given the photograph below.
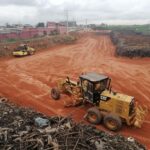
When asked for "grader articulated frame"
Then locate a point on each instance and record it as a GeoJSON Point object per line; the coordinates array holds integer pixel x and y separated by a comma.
{"type": "Point", "coordinates": [70, 88]}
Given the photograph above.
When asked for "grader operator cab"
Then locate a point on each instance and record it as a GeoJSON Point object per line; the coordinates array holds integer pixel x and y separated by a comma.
{"type": "Point", "coordinates": [111, 108]}
{"type": "Point", "coordinates": [93, 85]}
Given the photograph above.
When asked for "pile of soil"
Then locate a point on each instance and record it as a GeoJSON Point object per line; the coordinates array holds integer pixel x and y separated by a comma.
{"type": "Point", "coordinates": [22, 128]}
{"type": "Point", "coordinates": [131, 44]}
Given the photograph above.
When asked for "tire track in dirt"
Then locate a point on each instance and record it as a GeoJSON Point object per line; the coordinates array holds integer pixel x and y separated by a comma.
{"type": "Point", "coordinates": [27, 80]}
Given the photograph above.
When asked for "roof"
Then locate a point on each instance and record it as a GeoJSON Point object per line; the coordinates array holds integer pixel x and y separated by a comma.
{"type": "Point", "coordinates": [94, 77]}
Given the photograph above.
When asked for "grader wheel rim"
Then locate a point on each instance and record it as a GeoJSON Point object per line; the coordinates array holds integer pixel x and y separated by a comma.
{"type": "Point", "coordinates": [111, 124]}
{"type": "Point", "coordinates": [92, 117]}
{"type": "Point", "coordinates": [55, 94]}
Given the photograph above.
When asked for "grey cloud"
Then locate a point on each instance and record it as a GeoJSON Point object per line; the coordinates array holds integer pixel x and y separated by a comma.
{"type": "Point", "coordinates": [18, 2]}
{"type": "Point", "coordinates": [100, 10]}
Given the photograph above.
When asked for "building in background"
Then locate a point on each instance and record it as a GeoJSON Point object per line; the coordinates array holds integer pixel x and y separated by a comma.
{"type": "Point", "coordinates": [58, 27]}
{"type": "Point", "coordinates": [70, 23]}
{"type": "Point", "coordinates": [27, 31]}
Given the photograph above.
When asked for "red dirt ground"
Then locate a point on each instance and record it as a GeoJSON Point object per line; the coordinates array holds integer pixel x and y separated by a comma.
{"type": "Point", "coordinates": [27, 80]}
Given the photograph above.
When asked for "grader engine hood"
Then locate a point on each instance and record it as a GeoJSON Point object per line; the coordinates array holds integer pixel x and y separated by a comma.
{"type": "Point", "coordinates": [136, 113]}
{"type": "Point", "coordinates": [114, 95]}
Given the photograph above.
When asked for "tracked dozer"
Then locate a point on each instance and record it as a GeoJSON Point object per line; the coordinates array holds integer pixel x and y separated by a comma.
{"type": "Point", "coordinates": [111, 108]}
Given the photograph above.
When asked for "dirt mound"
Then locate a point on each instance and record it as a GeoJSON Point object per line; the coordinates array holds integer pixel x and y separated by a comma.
{"type": "Point", "coordinates": [22, 128]}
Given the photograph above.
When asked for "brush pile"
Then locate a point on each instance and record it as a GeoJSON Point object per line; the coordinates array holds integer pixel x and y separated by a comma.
{"type": "Point", "coordinates": [25, 129]}
{"type": "Point", "coordinates": [131, 44]}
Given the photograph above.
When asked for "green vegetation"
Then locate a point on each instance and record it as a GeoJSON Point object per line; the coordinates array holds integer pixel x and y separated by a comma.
{"type": "Point", "coordinates": [69, 39]}
{"type": "Point", "coordinates": [65, 39]}
{"type": "Point", "coordinates": [40, 24]}
{"type": "Point", "coordinates": [143, 29]}
{"type": "Point", "coordinates": [10, 40]}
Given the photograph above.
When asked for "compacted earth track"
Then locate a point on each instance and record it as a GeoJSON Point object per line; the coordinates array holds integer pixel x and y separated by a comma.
{"type": "Point", "coordinates": [27, 80]}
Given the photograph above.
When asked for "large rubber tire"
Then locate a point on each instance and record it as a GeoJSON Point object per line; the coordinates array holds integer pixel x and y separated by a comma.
{"type": "Point", "coordinates": [112, 122]}
{"type": "Point", "coordinates": [94, 116]}
{"type": "Point", "coordinates": [55, 93]}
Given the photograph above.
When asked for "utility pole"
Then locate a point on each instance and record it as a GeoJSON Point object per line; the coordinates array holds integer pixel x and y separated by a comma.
{"type": "Point", "coordinates": [86, 24]}
{"type": "Point", "coordinates": [67, 16]}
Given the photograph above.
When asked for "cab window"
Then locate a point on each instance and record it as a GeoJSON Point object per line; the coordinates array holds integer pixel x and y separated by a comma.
{"type": "Point", "coordinates": [85, 85]}
{"type": "Point", "coordinates": [100, 86]}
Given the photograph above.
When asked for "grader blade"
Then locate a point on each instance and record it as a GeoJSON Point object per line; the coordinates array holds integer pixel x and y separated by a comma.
{"type": "Point", "coordinates": [140, 115]}
{"type": "Point", "coordinates": [75, 98]}
{"type": "Point", "coordinates": [73, 102]}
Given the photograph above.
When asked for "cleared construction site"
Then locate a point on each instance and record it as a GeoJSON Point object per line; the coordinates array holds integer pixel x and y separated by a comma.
{"type": "Point", "coordinates": [27, 81]}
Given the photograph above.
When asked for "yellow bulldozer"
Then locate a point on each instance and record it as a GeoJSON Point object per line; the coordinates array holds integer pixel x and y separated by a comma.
{"type": "Point", "coordinates": [23, 50]}
{"type": "Point", "coordinates": [111, 108]}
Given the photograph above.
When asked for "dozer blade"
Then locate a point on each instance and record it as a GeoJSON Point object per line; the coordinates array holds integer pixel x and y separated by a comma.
{"type": "Point", "coordinates": [141, 112]}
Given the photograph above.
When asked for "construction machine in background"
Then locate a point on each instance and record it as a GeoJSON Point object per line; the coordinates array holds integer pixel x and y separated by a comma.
{"type": "Point", "coordinates": [111, 108]}
{"type": "Point", "coordinates": [23, 50]}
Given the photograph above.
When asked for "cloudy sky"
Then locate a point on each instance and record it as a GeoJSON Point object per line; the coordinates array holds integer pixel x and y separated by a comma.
{"type": "Point", "coordinates": [95, 11]}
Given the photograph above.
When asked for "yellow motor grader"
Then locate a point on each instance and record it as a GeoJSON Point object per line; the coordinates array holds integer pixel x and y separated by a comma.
{"type": "Point", "coordinates": [111, 108]}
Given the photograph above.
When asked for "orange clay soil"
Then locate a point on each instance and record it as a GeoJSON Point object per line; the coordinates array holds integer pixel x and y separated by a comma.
{"type": "Point", "coordinates": [27, 80]}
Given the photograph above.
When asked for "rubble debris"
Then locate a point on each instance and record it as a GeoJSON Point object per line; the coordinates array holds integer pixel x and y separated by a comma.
{"type": "Point", "coordinates": [41, 122]}
{"type": "Point", "coordinates": [18, 131]}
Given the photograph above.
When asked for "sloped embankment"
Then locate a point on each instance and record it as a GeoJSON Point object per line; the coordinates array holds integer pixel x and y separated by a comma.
{"type": "Point", "coordinates": [22, 128]}
{"type": "Point", "coordinates": [7, 48]}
